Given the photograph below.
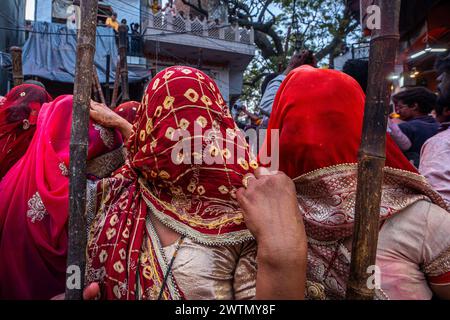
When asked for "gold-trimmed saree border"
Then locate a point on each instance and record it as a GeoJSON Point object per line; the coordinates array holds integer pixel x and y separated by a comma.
{"type": "Point", "coordinates": [412, 178]}
{"type": "Point", "coordinates": [327, 197]}
{"type": "Point", "coordinates": [229, 238]}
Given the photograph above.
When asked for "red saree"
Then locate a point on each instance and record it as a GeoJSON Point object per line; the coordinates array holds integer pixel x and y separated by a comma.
{"type": "Point", "coordinates": [128, 110]}
{"type": "Point", "coordinates": [319, 116]}
{"type": "Point", "coordinates": [18, 114]}
{"type": "Point", "coordinates": [34, 205]}
{"type": "Point", "coordinates": [181, 106]}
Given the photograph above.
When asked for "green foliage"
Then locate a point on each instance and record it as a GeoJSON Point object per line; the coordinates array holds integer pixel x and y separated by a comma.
{"type": "Point", "coordinates": [325, 26]}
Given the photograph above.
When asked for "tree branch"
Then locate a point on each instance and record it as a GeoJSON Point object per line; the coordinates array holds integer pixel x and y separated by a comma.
{"type": "Point", "coordinates": [263, 10]}
{"type": "Point", "coordinates": [199, 7]}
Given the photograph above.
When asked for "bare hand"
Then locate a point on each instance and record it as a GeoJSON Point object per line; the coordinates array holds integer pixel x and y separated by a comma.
{"type": "Point", "coordinates": [106, 117]}
{"type": "Point", "coordinates": [270, 208]}
{"type": "Point", "coordinates": [103, 115]}
{"type": "Point", "coordinates": [272, 215]}
{"type": "Point", "coordinates": [91, 292]}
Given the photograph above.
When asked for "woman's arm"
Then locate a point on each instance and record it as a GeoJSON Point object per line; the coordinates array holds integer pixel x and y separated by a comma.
{"type": "Point", "coordinates": [108, 118]}
{"type": "Point", "coordinates": [441, 291]}
{"type": "Point", "coordinates": [399, 137]}
{"type": "Point", "coordinates": [272, 214]}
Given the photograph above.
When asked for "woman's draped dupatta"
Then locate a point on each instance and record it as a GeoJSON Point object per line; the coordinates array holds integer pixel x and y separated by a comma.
{"type": "Point", "coordinates": [19, 111]}
{"type": "Point", "coordinates": [35, 204]}
{"type": "Point", "coordinates": [319, 115]}
{"type": "Point", "coordinates": [182, 123]}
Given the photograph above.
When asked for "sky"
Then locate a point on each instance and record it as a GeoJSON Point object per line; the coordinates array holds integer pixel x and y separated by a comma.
{"type": "Point", "coordinates": [29, 9]}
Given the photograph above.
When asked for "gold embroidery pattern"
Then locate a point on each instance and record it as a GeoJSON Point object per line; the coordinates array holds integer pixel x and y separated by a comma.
{"type": "Point", "coordinates": [439, 265]}
{"type": "Point", "coordinates": [181, 195]}
{"type": "Point", "coordinates": [183, 229]}
{"type": "Point", "coordinates": [106, 135]}
{"type": "Point", "coordinates": [168, 102]}
{"type": "Point", "coordinates": [63, 168]}
{"type": "Point", "coordinates": [155, 84]}
{"type": "Point", "coordinates": [327, 197]}
{"type": "Point", "coordinates": [327, 270]}
{"type": "Point", "coordinates": [315, 291]}
{"type": "Point", "coordinates": [104, 165]}
{"type": "Point", "coordinates": [36, 209]}
{"type": "Point", "coordinates": [191, 95]}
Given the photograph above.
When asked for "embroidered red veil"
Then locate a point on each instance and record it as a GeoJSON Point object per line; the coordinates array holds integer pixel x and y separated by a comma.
{"type": "Point", "coordinates": [18, 114]}
{"type": "Point", "coordinates": [319, 116]}
{"type": "Point", "coordinates": [181, 106]}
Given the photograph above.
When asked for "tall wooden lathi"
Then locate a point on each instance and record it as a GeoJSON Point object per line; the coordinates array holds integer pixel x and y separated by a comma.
{"type": "Point", "coordinates": [372, 154]}
{"type": "Point", "coordinates": [123, 44]}
{"type": "Point", "coordinates": [17, 71]}
{"type": "Point", "coordinates": [76, 257]}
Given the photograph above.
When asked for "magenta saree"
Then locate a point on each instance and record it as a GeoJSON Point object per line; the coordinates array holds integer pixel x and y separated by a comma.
{"type": "Point", "coordinates": [34, 205]}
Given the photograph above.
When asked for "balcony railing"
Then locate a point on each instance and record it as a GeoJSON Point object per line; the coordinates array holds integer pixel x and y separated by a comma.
{"type": "Point", "coordinates": [177, 23]}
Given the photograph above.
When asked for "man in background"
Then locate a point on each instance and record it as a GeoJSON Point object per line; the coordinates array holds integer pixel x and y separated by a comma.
{"type": "Point", "coordinates": [266, 104]}
{"type": "Point", "coordinates": [358, 69]}
{"type": "Point", "coordinates": [112, 22]}
{"type": "Point", "coordinates": [435, 154]}
{"type": "Point", "coordinates": [414, 106]}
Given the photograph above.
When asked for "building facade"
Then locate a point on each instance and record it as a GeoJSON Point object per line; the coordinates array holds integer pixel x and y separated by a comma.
{"type": "Point", "coordinates": [174, 36]}
{"type": "Point", "coordinates": [12, 20]}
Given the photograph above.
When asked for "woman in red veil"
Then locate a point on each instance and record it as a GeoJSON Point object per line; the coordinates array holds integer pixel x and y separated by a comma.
{"type": "Point", "coordinates": [167, 224]}
{"type": "Point", "coordinates": [34, 204]}
{"type": "Point", "coordinates": [318, 114]}
{"type": "Point", "coordinates": [18, 115]}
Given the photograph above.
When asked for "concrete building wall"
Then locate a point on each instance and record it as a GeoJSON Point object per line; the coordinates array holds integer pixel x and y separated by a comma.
{"type": "Point", "coordinates": [44, 10]}
{"type": "Point", "coordinates": [229, 79]}
{"type": "Point", "coordinates": [12, 16]}
{"type": "Point", "coordinates": [221, 77]}
{"type": "Point", "coordinates": [126, 9]}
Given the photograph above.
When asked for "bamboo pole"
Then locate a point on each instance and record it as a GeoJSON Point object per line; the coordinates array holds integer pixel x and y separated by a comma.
{"type": "Point", "coordinates": [108, 72]}
{"type": "Point", "coordinates": [98, 87]}
{"type": "Point", "coordinates": [116, 86]}
{"type": "Point", "coordinates": [123, 40]}
{"type": "Point", "coordinates": [372, 153]}
{"type": "Point", "coordinates": [76, 259]}
{"type": "Point", "coordinates": [17, 71]}
{"type": "Point", "coordinates": [94, 92]}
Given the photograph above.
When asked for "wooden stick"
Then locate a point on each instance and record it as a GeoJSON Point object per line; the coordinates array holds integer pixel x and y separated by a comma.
{"type": "Point", "coordinates": [17, 72]}
{"type": "Point", "coordinates": [123, 39]}
{"type": "Point", "coordinates": [372, 153]}
{"type": "Point", "coordinates": [108, 72]}
{"type": "Point", "coordinates": [76, 257]}
{"type": "Point", "coordinates": [94, 92]}
{"type": "Point", "coordinates": [283, 64]}
{"type": "Point", "coordinates": [98, 87]}
{"type": "Point", "coordinates": [116, 86]}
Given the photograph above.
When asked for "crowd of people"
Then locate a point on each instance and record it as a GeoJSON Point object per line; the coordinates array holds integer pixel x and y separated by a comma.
{"type": "Point", "coordinates": [164, 222]}
{"type": "Point", "coordinates": [134, 43]}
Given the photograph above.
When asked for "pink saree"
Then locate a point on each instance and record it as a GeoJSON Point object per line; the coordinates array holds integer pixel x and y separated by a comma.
{"type": "Point", "coordinates": [34, 205]}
